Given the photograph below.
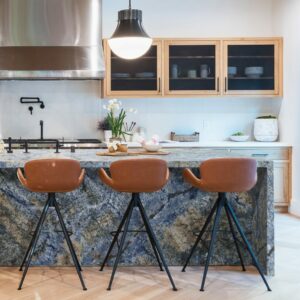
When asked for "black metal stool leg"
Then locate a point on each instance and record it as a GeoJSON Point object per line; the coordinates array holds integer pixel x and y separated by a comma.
{"type": "Point", "coordinates": [33, 238]}
{"type": "Point", "coordinates": [157, 245]}
{"type": "Point", "coordinates": [200, 235]}
{"type": "Point", "coordinates": [115, 238]}
{"type": "Point", "coordinates": [72, 251]}
{"type": "Point", "coordinates": [235, 239]}
{"type": "Point", "coordinates": [121, 244]}
{"type": "Point", "coordinates": [249, 248]}
{"type": "Point", "coordinates": [34, 243]}
{"type": "Point", "coordinates": [212, 241]}
{"type": "Point", "coordinates": [154, 249]}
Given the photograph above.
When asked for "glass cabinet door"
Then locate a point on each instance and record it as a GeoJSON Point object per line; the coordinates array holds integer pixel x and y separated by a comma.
{"type": "Point", "coordinates": [251, 67]}
{"type": "Point", "coordinates": [192, 67]}
{"type": "Point", "coordinates": [140, 76]}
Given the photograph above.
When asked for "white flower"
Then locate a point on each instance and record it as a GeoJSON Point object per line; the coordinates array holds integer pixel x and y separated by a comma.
{"type": "Point", "coordinates": [113, 105]}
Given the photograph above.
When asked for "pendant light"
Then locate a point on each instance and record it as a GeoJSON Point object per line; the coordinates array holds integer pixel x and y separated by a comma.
{"type": "Point", "coordinates": [130, 41]}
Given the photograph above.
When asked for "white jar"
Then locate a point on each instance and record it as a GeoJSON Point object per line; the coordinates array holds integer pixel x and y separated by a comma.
{"type": "Point", "coordinates": [107, 135]}
{"type": "Point", "coordinates": [266, 130]}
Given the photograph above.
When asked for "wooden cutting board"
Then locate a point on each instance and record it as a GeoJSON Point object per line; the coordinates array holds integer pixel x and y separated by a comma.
{"type": "Point", "coordinates": [131, 153]}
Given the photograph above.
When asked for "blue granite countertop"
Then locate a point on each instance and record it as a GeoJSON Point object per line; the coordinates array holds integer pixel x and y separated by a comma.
{"type": "Point", "coordinates": [178, 158]}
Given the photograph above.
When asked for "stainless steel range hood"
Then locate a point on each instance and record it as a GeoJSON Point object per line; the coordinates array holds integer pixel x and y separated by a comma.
{"type": "Point", "coordinates": [51, 39]}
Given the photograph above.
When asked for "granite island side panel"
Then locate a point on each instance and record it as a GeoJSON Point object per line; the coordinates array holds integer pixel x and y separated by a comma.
{"type": "Point", "coordinates": [177, 213]}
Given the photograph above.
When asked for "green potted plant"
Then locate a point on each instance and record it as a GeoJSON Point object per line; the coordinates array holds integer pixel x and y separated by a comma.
{"type": "Point", "coordinates": [116, 118]}
{"type": "Point", "coordinates": [266, 128]}
{"type": "Point", "coordinates": [239, 137]}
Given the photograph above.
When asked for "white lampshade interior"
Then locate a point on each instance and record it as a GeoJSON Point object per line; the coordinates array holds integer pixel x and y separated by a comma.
{"type": "Point", "coordinates": [130, 47]}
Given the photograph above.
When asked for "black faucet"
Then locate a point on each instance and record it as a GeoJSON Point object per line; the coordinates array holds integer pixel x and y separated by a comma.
{"type": "Point", "coordinates": [42, 129]}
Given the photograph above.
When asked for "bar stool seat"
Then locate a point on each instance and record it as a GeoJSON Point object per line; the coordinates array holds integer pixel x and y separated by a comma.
{"type": "Point", "coordinates": [51, 176]}
{"type": "Point", "coordinates": [136, 176]}
{"type": "Point", "coordinates": [224, 175]}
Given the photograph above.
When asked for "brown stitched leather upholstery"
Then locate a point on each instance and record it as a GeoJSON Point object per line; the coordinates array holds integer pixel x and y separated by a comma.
{"type": "Point", "coordinates": [52, 175]}
{"type": "Point", "coordinates": [136, 175]}
{"type": "Point", "coordinates": [224, 175]}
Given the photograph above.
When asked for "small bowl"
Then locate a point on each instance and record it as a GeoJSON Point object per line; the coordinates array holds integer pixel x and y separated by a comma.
{"type": "Point", "coordinates": [254, 72]}
{"type": "Point", "coordinates": [152, 147]}
{"type": "Point", "coordinates": [239, 138]}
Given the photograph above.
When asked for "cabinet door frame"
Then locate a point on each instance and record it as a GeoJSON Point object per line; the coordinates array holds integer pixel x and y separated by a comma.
{"type": "Point", "coordinates": [191, 42]}
{"type": "Point", "coordinates": [283, 167]}
{"type": "Point", "coordinates": [108, 92]}
{"type": "Point", "coordinates": [278, 66]}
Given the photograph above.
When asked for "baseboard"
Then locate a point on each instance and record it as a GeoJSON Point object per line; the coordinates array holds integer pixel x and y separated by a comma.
{"type": "Point", "coordinates": [281, 209]}
{"type": "Point", "coordinates": [294, 208]}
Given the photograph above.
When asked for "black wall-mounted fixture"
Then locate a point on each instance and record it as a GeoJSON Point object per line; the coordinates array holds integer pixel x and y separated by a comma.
{"type": "Point", "coordinates": [130, 40]}
{"type": "Point", "coordinates": [32, 100]}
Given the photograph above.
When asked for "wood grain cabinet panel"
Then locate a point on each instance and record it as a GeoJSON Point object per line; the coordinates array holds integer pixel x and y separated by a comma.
{"type": "Point", "coordinates": [198, 67]}
{"type": "Point", "coordinates": [252, 67]}
{"type": "Point", "coordinates": [281, 157]}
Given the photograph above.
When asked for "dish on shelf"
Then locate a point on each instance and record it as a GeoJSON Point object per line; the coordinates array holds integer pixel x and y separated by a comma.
{"type": "Point", "coordinates": [254, 72]}
{"type": "Point", "coordinates": [145, 75]}
{"type": "Point", "coordinates": [232, 71]}
{"type": "Point", "coordinates": [120, 75]}
{"type": "Point", "coordinates": [239, 138]}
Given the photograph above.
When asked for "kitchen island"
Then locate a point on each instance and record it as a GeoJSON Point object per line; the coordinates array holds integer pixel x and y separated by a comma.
{"type": "Point", "coordinates": [177, 213]}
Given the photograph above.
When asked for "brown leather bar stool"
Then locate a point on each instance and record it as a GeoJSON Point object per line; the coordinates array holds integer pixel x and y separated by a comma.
{"type": "Point", "coordinates": [51, 176]}
{"type": "Point", "coordinates": [136, 176]}
{"type": "Point", "coordinates": [224, 175]}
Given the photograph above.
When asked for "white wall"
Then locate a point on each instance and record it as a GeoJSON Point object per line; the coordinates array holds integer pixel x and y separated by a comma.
{"type": "Point", "coordinates": [72, 107]}
{"type": "Point", "coordinates": [287, 24]}
{"type": "Point", "coordinates": [215, 118]}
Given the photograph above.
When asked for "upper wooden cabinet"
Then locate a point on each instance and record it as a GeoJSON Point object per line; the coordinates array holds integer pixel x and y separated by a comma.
{"type": "Point", "coordinates": [252, 67]}
{"type": "Point", "coordinates": [195, 67]}
{"type": "Point", "coordinates": [191, 67]}
{"type": "Point", "coordinates": [138, 77]}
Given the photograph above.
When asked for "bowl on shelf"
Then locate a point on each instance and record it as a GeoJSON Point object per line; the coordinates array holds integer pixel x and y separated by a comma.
{"type": "Point", "coordinates": [152, 147]}
{"type": "Point", "coordinates": [145, 75]}
{"type": "Point", "coordinates": [239, 138]}
{"type": "Point", "coordinates": [254, 72]}
{"type": "Point", "coordinates": [120, 75]}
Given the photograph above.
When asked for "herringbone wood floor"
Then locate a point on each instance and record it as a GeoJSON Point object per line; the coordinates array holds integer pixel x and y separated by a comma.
{"type": "Point", "coordinates": [133, 283]}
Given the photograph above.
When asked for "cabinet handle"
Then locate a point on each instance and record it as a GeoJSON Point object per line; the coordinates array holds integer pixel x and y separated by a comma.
{"type": "Point", "coordinates": [218, 85]}
{"type": "Point", "coordinates": [259, 154]}
{"type": "Point", "coordinates": [225, 84]}
{"type": "Point", "coordinates": [159, 85]}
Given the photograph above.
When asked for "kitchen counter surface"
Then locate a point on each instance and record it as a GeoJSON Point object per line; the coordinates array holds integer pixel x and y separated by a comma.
{"type": "Point", "coordinates": [176, 213]}
{"type": "Point", "coordinates": [222, 144]}
{"type": "Point", "coordinates": [178, 158]}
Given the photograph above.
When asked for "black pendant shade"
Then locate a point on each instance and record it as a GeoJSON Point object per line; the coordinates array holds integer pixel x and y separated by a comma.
{"type": "Point", "coordinates": [130, 24]}
{"type": "Point", "coordinates": [130, 40]}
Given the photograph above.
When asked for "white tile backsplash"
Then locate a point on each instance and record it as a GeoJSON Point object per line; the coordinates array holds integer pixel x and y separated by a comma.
{"type": "Point", "coordinates": [72, 108]}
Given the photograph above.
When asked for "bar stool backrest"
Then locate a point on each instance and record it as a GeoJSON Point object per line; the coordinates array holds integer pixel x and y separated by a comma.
{"type": "Point", "coordinates": [137, 175]}
{"type": "Point", "coordinates": [229, 174]}
{"type": "Point", "coordinates": [52, 175]}
{"type": "Point", "coordinates": [224, 175]}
